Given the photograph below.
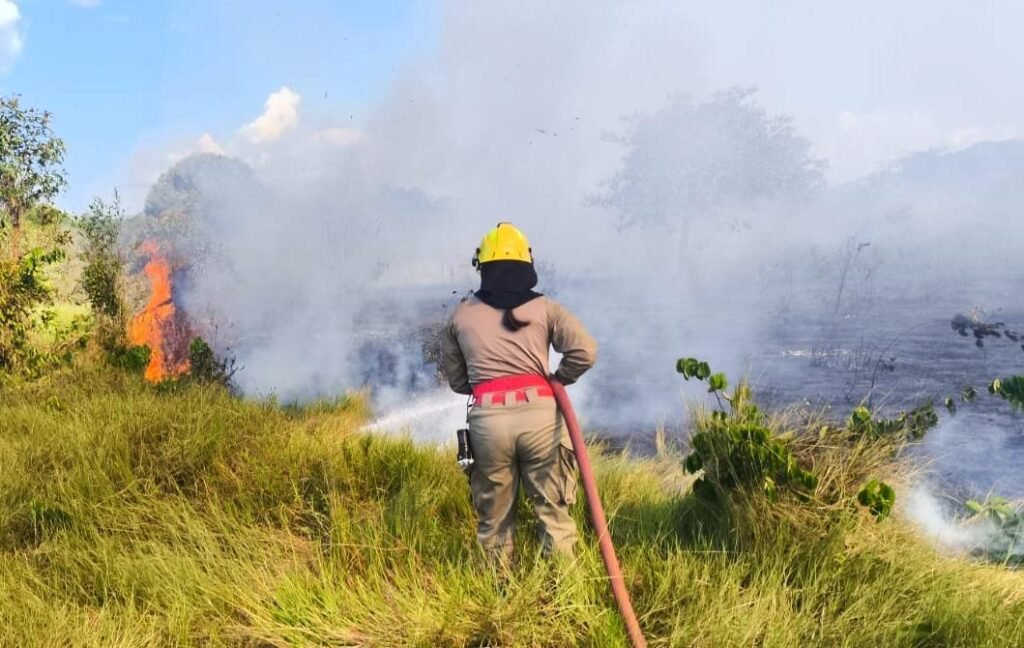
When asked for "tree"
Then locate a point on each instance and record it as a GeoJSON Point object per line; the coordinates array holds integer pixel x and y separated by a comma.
{"type": "Point", "coordinates": [102, 269]}
{"type": "Point", "coordinates": [30, 176]}
{"type": "Point", "coordinates": [31, 158]}
{"type": "Point", "coordinates": [694, 159]}
{"type": "Point", "coordinates": [191, 204]}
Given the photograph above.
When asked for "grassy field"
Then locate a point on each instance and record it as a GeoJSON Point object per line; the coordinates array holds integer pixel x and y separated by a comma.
{"type": "Point", "coordinates": [138, 516]}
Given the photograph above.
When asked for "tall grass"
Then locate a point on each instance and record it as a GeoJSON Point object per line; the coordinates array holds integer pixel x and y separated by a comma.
{"type": "Point", "coordinates": [137, 516]}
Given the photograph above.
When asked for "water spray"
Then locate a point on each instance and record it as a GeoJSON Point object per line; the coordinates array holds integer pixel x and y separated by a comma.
{"type": "Point", "coordinates": [604, 538]}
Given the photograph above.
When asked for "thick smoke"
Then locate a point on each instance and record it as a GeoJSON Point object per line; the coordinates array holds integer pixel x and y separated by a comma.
{"type": "Point", "coordinates": [677, 212]}
{"type": "Point", "coordinates": [958, 533]}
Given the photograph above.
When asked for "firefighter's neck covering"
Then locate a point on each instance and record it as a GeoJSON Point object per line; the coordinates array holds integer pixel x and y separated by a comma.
{"type": "Point", "coordinates": [505, 261]}
{"type": "Point", "coordinates": [507, 284]}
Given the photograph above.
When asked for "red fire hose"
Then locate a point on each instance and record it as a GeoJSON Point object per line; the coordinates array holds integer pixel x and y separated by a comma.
{"type": "Point", "coordinates": [604, 539]}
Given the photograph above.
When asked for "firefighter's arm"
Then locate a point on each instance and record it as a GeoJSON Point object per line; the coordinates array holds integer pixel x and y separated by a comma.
{"type": "Point", "coordinates": [568, 337]}
{"type": "Point", "coordinates": [454, 362]}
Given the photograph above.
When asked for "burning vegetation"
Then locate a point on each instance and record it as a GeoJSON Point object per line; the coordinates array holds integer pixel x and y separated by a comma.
{"type": "Point", "coordinates": [160, 325]}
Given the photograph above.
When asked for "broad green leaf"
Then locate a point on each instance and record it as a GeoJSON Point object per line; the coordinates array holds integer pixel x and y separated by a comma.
{"type": "Point", "coordinates": [717, 382]}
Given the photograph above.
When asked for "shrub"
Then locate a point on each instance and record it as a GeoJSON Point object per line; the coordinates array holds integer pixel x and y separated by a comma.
{"type": "Point", "coordinates": [25, 319]}
{"type": "Point", "coordinates": [131, 358]}
{"type": "Point", "coordinates": [102, 276]}
{"type": "Point", "coordinates": [205, 366]}
{"type": "Point", "coordinates": [736, 449]}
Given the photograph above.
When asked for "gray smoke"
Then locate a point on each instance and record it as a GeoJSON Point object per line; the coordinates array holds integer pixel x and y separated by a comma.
{"type": "Point", "coordinates": [675, 210]}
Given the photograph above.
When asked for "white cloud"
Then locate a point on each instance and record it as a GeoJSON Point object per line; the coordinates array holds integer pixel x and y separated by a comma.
{"type": "Point", "coordinates": [205, 144]}
{"type": "Point", "coordinates": [280, 114]}
{"type": "Point", "coordinates": [11, 40]}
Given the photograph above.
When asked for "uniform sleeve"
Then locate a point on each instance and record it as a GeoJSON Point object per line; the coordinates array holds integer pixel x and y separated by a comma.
{"type": "Point", "coordinates": [454, 362]}
{"type": "Point", "coordinates": [568, 337]}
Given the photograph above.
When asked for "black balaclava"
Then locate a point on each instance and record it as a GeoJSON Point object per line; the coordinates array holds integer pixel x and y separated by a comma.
{"type": "Point", "coordinates": [505, 285]}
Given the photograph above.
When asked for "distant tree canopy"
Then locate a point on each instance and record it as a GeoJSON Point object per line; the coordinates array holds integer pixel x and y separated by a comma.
{"type": "Point", "coordinates": [190, 201]}
{"type": "Point", "coordinates": [693, 158]}
{"type": "Point", "coordinates": [201, 183]}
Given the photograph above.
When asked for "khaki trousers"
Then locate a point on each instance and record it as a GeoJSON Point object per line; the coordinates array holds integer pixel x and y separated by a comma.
{"type": "Point", "coordinates": [523, 442]}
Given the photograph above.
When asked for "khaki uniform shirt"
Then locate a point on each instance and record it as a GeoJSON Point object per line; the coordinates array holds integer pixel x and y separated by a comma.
{"type": "Point", "coordinates": [477, 348]}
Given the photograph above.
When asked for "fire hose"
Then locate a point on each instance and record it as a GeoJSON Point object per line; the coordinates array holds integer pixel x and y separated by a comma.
{"type": "Point", "coordinates": [604, 539]}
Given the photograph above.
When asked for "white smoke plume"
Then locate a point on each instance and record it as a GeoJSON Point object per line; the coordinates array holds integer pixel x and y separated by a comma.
{"type": "Point", "coordinates": [674, 213]}
{"type": "Point", "coordinates": [280, 114]}
{"type": "Point", "coordinates": [962, 534]}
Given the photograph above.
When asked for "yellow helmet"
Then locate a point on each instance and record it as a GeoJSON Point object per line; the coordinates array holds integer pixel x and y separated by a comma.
{"type": "Point", "coordinates": [503, 243]}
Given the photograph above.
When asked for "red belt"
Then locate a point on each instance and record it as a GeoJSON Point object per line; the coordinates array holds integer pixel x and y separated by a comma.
{"type": "Point", "coordinates": [518, 385]}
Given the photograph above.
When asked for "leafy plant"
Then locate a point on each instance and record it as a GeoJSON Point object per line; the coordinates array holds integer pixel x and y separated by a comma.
{"type": "Point", "coordinates": [717, 382]}
{"type": "Point", "coordinates": [736, 449]}
{"type": "Point", "coordinates": [997, 509]}
{"type": "Point", "coordinates": [204, 365]}
{"type": "Point", "coordinates": [1010, 389]}
{"type": "Point", "coordinates": [693, 368]}
{"type": "Point", "coordinates": [132, 358]}
{"type": "Point", "coordinates": [912, 425]}
{"type": "Point", "coordinates": [1007, 523]}
{"type": "Point", "coordinates": [878, 497]}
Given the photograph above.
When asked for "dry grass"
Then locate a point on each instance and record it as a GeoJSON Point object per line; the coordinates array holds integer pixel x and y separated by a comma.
{"type": "Point", "coordinates": [132, 516]}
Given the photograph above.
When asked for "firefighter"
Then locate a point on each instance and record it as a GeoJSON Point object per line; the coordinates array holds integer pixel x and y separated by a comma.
{"type": "Point", "coordinates": [496, 347]}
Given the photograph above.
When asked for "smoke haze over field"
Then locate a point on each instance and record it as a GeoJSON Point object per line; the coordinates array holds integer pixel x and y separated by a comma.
{"type": "Point", "coordinates": [676, 211]}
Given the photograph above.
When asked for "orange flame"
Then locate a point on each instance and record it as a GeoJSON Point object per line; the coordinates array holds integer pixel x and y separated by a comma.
{"type": "Point", "coordinates": [159, 325]}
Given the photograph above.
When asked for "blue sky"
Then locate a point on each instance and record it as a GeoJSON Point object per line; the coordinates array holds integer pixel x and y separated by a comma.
{"type": "Point", "coordinates": [132, 83]}
{"type": "Point", "coordinates": [120, 73]}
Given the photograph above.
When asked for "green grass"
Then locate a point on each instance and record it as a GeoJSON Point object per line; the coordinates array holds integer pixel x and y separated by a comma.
{"type": "Point", "coordinates": [135, 516]}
